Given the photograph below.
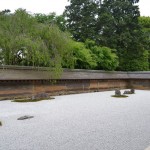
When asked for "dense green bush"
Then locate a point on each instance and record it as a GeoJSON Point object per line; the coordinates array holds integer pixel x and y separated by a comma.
{"type": "Point", "coordinates": [137, 64]}
{"type": "Point", "coordinates": [105, 57]}
{"type": "Point", "coordinates": [89, 56]}
{"type": "Point", "coordinates": [83, 57]}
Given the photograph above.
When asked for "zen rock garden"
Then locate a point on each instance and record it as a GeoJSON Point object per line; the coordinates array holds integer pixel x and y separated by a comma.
{"type": "Point", "coordinates": [41, 96]}
{"type": "Point", "coordinates": [78, 121]}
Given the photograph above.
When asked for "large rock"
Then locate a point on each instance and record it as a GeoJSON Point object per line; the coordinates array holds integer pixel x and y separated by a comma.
{"type": "Point", "coordinates": [117, 93]}
{"type": "Point", "coordinates": [25, 117]}
{"type": "Point", "coordinates": [132, 91]}
{"type": "Point", "coordinates": [41, 96]}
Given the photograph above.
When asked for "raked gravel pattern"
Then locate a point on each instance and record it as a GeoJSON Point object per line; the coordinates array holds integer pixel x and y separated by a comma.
{"type": "Point", "coordinates": [93, 121]}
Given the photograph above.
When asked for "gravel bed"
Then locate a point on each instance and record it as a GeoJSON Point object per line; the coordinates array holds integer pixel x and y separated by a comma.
{"type": "Point", "coordinates": [93, 121]}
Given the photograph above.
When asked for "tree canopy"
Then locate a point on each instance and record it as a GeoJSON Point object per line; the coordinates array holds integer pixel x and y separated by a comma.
{"type": "Point", "coordinates": [90, 34]}
{"type": "Point", "coordinates": [113, 24]}
{"type": "Point", "coordinates": [81, 18]}
{"type": "Point", "coordinates": [40, 40]}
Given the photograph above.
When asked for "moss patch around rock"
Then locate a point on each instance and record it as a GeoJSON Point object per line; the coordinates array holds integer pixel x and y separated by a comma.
{"type": "Point", "coordinates": [29, 100]}
{"type": "Point", "coordinates": [120, 96]}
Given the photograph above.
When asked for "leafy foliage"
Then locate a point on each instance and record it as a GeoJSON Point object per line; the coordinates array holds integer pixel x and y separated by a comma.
{"type": "Point", "coordinates": [120, 30]}
{"type": "Point", "coordinates": [24, 41]}
{"type": "Point", "coordinates": [113, 24]}
{"type": "Point", "coordinates": [137, 63]}
{"type": "Point", "coordinates": [81, 18]}
{"type": "Point", "coordinates": [83, 57]}
{"type": "Point", "coordinates": [106, 60]}
{"type": "Point", "coordinates": [105, 57]}
{"type": "Point", "coordinates": [109, 35]}
{"type": "Point", "coordinates": [52, 19]}
{"type": "Point", "coordinates": [145, 23]}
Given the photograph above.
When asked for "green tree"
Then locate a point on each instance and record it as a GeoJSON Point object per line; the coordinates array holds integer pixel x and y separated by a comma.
{"type": "Point", "coordinates": [52, 19]}
{"type": "Point", "coordinates": [110, 23]}
{"type": "Point", "coordinates": [81, 18]}
{"type": "Point", "coordinates": [120, 30]}
{"type": "Point", "coordinates": [145, 23]}
{"type": "Point", "coordinates": [105, 57]}
{"type": "Point", "coordinates": [118, 20]}
{"type": "Point", "coordinates": [138, 63]}
{"type": "Point", "coordinates": [83, 57]}
{"type": "Point", "coordinates": [24, 41]}
{"type": "Point", "coordinates": [46, 19]}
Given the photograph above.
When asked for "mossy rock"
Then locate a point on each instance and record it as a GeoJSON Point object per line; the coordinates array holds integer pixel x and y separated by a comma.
{"type": "Point", "coordinates": [119, 96]}
{"type": "Point", "coordinates": [29, 100]}
{"type": "Point", "coordinates": [131, 91]}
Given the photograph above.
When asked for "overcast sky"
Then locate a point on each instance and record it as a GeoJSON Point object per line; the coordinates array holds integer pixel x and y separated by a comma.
{"type": "Point", "coordinates": [58, 6]}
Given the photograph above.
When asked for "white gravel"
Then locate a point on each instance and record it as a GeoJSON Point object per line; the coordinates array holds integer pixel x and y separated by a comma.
{"type": "Point", "coordinates": [93, 121]}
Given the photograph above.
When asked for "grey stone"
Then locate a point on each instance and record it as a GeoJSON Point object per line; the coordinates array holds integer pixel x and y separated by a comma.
{"type": "Point", "coordinates": [127, 92]}
{"type": "Point", "coordinates": [132, 91]}
{"type": "Point", "coordinates": [41, 96]}
{"type": "Point", "coordinates": [25, 117]}
{"type": "Point", "coordinates": [117, 92]}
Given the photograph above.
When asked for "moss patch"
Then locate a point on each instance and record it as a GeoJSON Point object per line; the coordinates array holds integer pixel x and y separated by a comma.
{"type": "Point", "coordinates": [120, 96]}
{"type": "Point", "coordinates": [130, 93]}
{"type": "Point", "coordinates": [29, 100]}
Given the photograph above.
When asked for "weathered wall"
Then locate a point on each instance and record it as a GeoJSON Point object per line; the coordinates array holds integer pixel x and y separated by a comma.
{"type": "Point", "coordinates": [143, 84]}
{"type": "Point", "coordinates": [28, 88]}
{"type": "Point", "coordinates": [28, 81]}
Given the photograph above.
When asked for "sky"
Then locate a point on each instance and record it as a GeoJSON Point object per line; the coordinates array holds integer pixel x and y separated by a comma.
{"type": "Point", "coordinates": [58, 6]}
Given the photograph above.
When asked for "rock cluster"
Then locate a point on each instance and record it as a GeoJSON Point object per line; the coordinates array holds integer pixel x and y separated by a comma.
{"type": "Point", "coordinates": [132, 91]}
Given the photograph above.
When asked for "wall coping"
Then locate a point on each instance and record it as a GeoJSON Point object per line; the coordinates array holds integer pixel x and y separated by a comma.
{"type": "Point", "coordinates": [10, 72]}
{"type": "Point", "coordinates": [15, 67]}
